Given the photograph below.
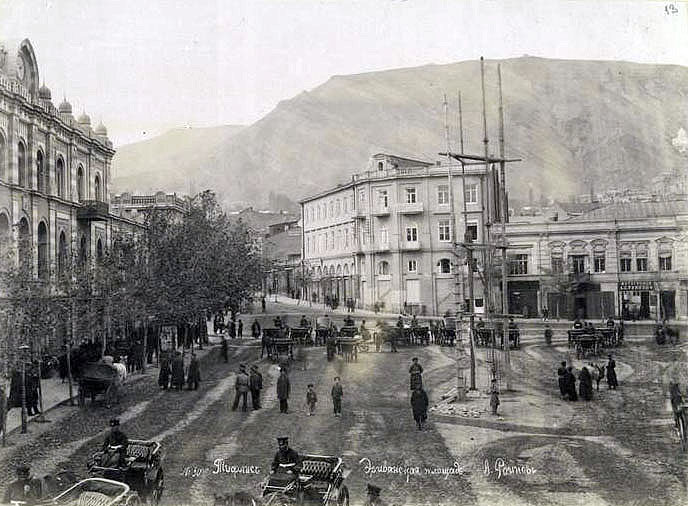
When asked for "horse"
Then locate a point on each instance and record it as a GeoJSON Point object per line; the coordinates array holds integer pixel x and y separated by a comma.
{"type": "Point", "coordinates": [597, 373]}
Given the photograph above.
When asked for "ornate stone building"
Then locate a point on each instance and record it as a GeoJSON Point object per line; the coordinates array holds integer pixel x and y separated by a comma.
{"type": "Point", "coordinates": [54, 171]}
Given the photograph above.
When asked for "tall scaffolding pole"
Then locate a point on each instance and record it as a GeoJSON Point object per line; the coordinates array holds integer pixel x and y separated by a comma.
{"type": "Point", "coordinates": [503, 217]}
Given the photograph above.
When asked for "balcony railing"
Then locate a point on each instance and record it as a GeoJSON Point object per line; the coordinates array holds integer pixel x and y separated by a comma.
{"type": "Point", "coordinates": [93, 210]}
{"type": "Point", "coordinates": [410, 245]}
{"type": "Point", "coordinates": [415, 208]}
{"type": "Point", "coordinates": [381, 211]}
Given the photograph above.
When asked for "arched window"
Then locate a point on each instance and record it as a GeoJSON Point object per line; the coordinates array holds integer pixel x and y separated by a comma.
{"type": "Point", "coordinates": [383, 268]}
{"type": "Point", "coordinates": [99, 250]}
{"type": "Point", "coordinates": [24, 246]}
{"type": "Point", "coordinates": [331, 270]}
{"type": "Point", "coordinates": [62, 255]}
{"type": "Point", "coordinates": [60, 177]}
{"type": "Point", "coordinates": [4, 233]}
{"type": "Point", "coordinates": [21, 161]}
{"type": "Point", "coordinates": [444, 266]}
{"type": "Point", "coordinates": [2, 158]}
{"type": "Point", "coordinates": [40, 176]}
{"type": "Point", "coordinates": [43, 271]}
{"type": "Point", "coordinates": [80, 183]}
{"type": "Point", "coordinates": [96, 188]}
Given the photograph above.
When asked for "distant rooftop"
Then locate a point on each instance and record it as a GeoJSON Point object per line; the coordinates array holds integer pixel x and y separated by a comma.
{"type": "Point", "coordinates": [635, 211]}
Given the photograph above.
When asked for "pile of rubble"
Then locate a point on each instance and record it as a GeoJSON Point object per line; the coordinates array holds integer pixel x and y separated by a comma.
{"type": "Point", "coordinates": [474, 405]}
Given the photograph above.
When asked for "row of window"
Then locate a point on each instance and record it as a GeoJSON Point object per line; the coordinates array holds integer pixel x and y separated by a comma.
{"type": "Point", "coordinates": [578, 263]}
{"type": "Point", "coordinates": [330, 241]}
{"type": "Point", "coordinates": [443, 267]}
{"type": "Point", "coordinates": [42, 182]}
{"type": "Point", "coordinates": [336, 207]}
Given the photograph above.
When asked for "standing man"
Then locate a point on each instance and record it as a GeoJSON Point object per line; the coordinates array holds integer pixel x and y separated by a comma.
{"type": "Point", "coordinates": [337, 394]}
{"type": "Point", "coordinates": [225, 351]}
{"type": "Point", "coordinates": [399, 334]}
{"type": "Point", "coordinates": [241, 386]}
{"type": "Point", "coordinates": [561, 373]}
{"type": "Point", "coordinates": [256, 384]}
{"type": "Point", "coordinates": [612, 382]}
{"type": "Point", "coordinates": [419, 405]}
{"type": "Point", "coordinates": [265, 345]}
{"type": "Point", "coordinates": [416, 372]}
{"type": "Point", "coordinates": [283, 390]}
{"type": "Point", "coordinates": [194, 376]}
{"type": "Point", "coordinates": [178, 371]}
{"type": "Point", "coordinates": [262, 303]}
{"type": "Point", "coordinates": [241, 329]}
{"type": "Point", "coordinates": [232, 328]}
{"type": "Point", "coordinates": [255, 329]}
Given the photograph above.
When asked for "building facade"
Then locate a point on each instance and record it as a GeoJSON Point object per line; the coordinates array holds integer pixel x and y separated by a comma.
{"type": "Point", "coordinates": [54, 171]}
{"type": "Point", "coordinates": [625, 260]}
{"type": "Point", "coordinates": [385, 239]}
{"type": "Point", "coordinates": [134, 207]}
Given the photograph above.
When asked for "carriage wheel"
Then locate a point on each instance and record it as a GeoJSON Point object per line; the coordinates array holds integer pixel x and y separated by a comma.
{"type": "Point", "coordinates": [683, 431]}
{"type": "Point", "coordinates": [343, 499]}
{"type": "Point", "coordinates": [156, 494]}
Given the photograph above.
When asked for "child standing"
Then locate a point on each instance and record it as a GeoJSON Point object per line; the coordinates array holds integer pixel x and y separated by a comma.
{"type": "Point", "coordinates": [494, 398]}
{"type": "Point", "coordinates": [311, 399]}
{"type": "Point", "coordinates": [337, 394]}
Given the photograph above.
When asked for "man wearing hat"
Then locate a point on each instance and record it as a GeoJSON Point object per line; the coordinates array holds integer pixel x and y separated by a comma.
{"type": "Point", "coordinates": [241, 385]}
{"type": "Point", "coordinates": [24, 489]}
{"type": "Point", "coordinates": [374, 496]}
{"type": "Point", "coordinates": [256, 385]}
{"type": "Point", "coordinates": [285, 455]}
{"type": "Point", "coordinates": [116, 438]}
{"type": "Point", "coordinates": [283, 390]}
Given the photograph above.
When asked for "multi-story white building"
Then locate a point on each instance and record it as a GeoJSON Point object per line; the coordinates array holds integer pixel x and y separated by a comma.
{"type": "Point", "coordinates": [385, 237]}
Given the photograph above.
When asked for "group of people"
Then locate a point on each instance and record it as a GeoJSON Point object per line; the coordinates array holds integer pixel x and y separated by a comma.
{"type": "Point", "coordinates": [247, 382]}
{"type": "Point", "coordinates": [419, 398]}
{"type": "Point", "coordinates": [174, 374]}
{"type": "Point", "coordinates": [567, 380]}
{"type": "Point", "coordinates": [283, 388]}
{"type": "Point", "coordinates": [31, 389]}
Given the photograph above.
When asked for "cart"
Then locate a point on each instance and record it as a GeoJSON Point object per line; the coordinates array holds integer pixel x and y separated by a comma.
{"type": "Point", "coordinates": [587, 344]}
{"type": "Point", "coordinates": [98, 492]}
{"type": "Point", "coordinates": [97, 379]}
{"type": "Point", "coordinates": [319, 481]}
{"type": "Point", "coordinates": [348, 342]}
{"type": "Point", "coordinates": [302, 335]}
{"type": "Point", "coordinates": [142, 472]}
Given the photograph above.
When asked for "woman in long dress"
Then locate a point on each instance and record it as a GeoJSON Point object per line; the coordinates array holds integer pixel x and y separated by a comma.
{"type": "Point", "coordinates": [585, 384]}
{"type": "Point", "coordinates": [612, 382]}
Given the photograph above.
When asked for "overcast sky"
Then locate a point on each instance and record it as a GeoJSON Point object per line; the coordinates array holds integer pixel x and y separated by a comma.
{"type": "Point", "coordinates": [144, 66]}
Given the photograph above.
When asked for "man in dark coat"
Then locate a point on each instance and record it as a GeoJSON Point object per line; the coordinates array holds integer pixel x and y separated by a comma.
{"type": "Point", "coordinates": [116, 438]}
{"type": "Point", "coordinates": [232, 329]}
{"type": "Point", "coordinates": [419, 404]}
{"type": "Point", "coordinates": [255, 383]}
{"type": "Point", "coordinates": [165, 372]}
{"type": "Point", "coordinates": [612, 382]}
{"type": "Point", "coordinates": [585, 384]}
{"type": "Point", "coordinates": [399, 334]}
{"type": "Point", "coordinates": [265, 344]}
{"type": "Point", "coordinates": [194, 375]}
{"type": "Point", "coordinates": [25, 489]}
{"type": "Point", "coordinates": [178, 371]}
{"type": "Point", "coordinates": [283, 390]}
{"type": "Point", "coordinates": [225, 351]}
{"type": "Point", "coordinates": [242, 386]}
{"type": "Point", "coordinates": [416, 373]}
{"type": "Point", "coordinates": [571, 384]}
{"type": "Point", "coordinates": [240, 332]}
{"type": "Point", "coordinates": [561, 372]}
{"type": "Point", "coordinates": [32, 386]}
{"type": "Point", "coordinates": [374, 496]}
{"type": "Point", "coordinates": [285, 455]}
{"type": "Point", "coordinates": [337, 394]}
{"type": "Point", "coordinates": [304, 324]}
{"type": "Point", "coordinates": [262, 303]}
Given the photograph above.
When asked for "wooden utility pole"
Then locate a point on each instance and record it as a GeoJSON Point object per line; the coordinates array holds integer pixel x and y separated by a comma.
{"type": "Point", "coordinates": [504, 214]}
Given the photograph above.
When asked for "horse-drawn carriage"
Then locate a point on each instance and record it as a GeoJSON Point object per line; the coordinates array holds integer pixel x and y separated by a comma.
{"type": "Point", "coordinates": [281, 344]}
{"type": "Point", "coordinates": [140, 469]}
{"type": "Point", "coordinates": [348, 342]}
{"type": "Point", "coordinates": [98, 378]}
{"type": "Point", "coordinates": [302, 335]}
{"type": "Point", "coordinates": [98, 492]}
{"type": "Point", "coordinates": [319, 481]}
{"type": "Point", "coordinates": [680, 409]}
{"type": "Point", "coordinates": [588, 341]}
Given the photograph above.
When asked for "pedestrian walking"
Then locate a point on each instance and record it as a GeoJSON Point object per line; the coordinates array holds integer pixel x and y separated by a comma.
{"type": "Point", "coordinates": [612, 382]}
{"type": "Point", "coordinates": [178, 371]}
{"type": "Point", "coordinates": [416, 374]}
{"type": "Point", "coordinates": [255, 382]}
{"type": "Point", "coordinates": [283, 390]}
{"type": "Point", "coordinates": [32, 390]}
{"type": "Point", "coordinates": [241, 387]}
{"type": "Point", "coordinates": [241, 329]}
{"type": "Point", "coordinates": [194, 376]}
{"type": "Point", "coordinates": [337, 394]}
{"type": "Point", "coordinates": [419, 405]}
{"type": "Point", "coordinates": [561, 372]}
{"type": "Point", "coordinates": [494, 398]}
{"type": "Point", "coordinates": [262, 303]}
{"type": "Point", "coordinates": [585, 384]}
{"type": "Point", "coordinates": [265, 345]}
{"type": "Point", "coordinates": [545, 314]}
{"type": "Point", "coordinates": [311, 399]}
{"type": "Point", "coordinates": [571, 384]}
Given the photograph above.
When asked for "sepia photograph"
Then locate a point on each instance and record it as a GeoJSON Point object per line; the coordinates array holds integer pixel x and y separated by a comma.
{"type": "Point", "coordinates": [344, 252]}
